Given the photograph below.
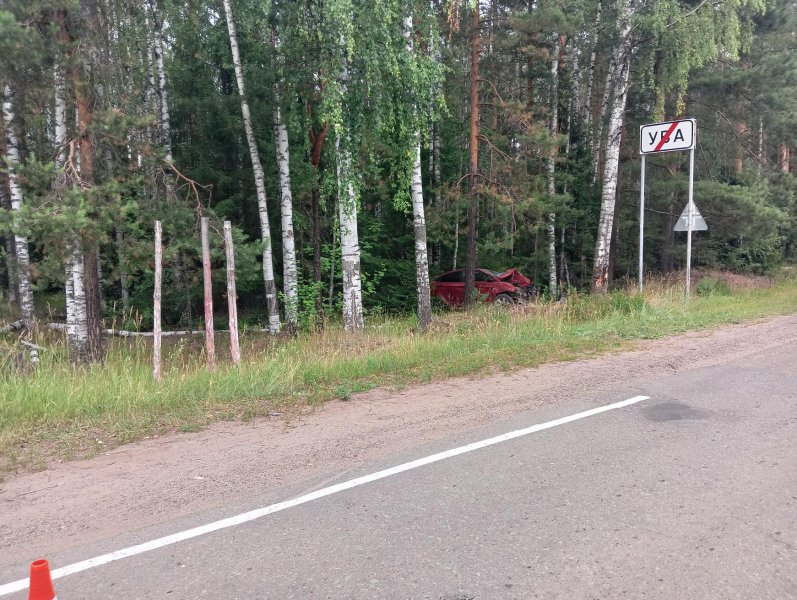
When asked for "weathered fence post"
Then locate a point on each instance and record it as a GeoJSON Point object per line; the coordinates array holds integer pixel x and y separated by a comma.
{"type": "Point", "coordinates": [210, 344]}
{"type": "Point", "coordinates": [156, 298]}
{"type": "Point", "coordinates": [232, 296]}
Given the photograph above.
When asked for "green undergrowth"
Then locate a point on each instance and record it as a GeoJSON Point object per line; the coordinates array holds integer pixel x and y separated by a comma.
{"type": "Point", "coordinates": [57, 412]}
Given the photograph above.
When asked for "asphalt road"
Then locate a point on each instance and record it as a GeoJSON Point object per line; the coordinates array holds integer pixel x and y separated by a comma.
{"type": "Point", "coordinates": [689, 494]}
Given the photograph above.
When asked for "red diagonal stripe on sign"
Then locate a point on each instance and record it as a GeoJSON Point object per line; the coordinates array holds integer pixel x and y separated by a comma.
{"type": "Point", "coordinates": [666, 137]}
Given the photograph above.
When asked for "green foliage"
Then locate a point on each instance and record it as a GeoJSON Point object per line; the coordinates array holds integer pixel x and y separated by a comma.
{"type": "Point", "coordinates": [732, 65]}
{"type": "Point", "coordinates": [712, 287]}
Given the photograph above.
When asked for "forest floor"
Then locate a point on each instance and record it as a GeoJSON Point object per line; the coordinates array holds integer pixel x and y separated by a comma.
{"type": "Point", "coordinates": [145, 483]}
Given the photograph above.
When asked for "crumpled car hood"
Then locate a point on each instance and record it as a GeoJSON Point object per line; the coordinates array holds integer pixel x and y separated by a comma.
{"type": "Point", "coordinates": [515, 277]}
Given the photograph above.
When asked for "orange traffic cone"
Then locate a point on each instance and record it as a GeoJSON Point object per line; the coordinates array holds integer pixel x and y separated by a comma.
{"type": "Point", "coordinates": [41, 583]}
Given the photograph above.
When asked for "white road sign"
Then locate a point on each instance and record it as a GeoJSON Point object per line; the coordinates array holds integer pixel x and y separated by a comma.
{"type": "Point", "coordinates": [698, 222]}
{"type": "Point", "coordinates": [667, 137]}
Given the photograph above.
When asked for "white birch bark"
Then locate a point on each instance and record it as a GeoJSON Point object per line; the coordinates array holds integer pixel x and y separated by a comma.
{"type": "Point", "coordinates": [347, 215]}
{"type": "Point", "coordinates": [349, 239]}
{"type": "Point", "coordinates": [289, 271]}
{"type": "Point", "coordinates": [60, 145]}
{"type": "Point", "coordinates": [20, 241]}
{"type": "Point", "coordinates": [60, 116]}
{"type": "Point", "coordinates": [619, 85]}
{"type": "Point", "coordinates": [552, 131]}
{"type": "Point", "coordinates": [418, 216]}
{"type": "Point", "coordinates": [608, 90]}
{"type": "Point", "coordinates": [591, 76]}
{"type": "Point", "coordinates": [78, 338]}
{"type": "Point", "coordinates": [257, 167]}
{"type": "Point", "coordinates": [163, 104]}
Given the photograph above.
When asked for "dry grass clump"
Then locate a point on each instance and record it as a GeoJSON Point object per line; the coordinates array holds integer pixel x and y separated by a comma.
{"type": "Point", "coordinates": [736, 282]}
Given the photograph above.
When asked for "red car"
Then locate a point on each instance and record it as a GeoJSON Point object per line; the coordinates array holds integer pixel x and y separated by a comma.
{"type": "Point", "coordinates": [508, 287]}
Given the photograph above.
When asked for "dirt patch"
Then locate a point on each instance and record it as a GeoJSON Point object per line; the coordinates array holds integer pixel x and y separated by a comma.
{"type": "Point", "coordinates": [160, 480]}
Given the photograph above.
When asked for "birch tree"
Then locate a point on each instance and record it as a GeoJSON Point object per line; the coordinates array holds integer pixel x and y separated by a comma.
{"type": "Point", "coordinates": [347, 213]}
{"type": "Point", "coordinates": [25, 287]}
{"type": "Point", "coordinates": [265, 231]}
{"type": "Point", "coordinates": [618, 82]}
{"type": "Point", "coordinates": [553, 122]}
{"type": "Point", "coordinates": [418, 216]}
{"type": "Point", "coordinates": [473, 155]}
{"type": "Point", "coordinates": [289, 270]}
{"type": "Point", "coordinates": [156, 42]}
{"type": "Point", "coordinates": [77, 333]}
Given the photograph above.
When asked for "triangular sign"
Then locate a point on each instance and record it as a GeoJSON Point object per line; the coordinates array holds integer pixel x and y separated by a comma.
{"type": "Point", "coordinates": [698, 222]}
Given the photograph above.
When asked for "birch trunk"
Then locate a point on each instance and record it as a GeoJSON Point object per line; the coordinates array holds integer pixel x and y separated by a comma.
{"type": "Point", "coordinates": [289, 274]}
{"type": "Point", "coordinates": [78, 337]}
{"type": "Point", "coordinates": [60, 116]}
{"type": "Point", "coordinates": [347, 213]}
{"type": "Point", "coordinates": [5, 204]}
{"type": "Point", "coordinates": [349, 240]}
{"type": "Point", "coordinates": [163, 101]}
{"type": "Point", "coordinates": [436, 153]}
{"type": "Point", "coordinates": [20, 241]}
{"type": "Point", "coordinates": [473, 164]}
{"type": "Point", "coordinates": [552, 131]}
{"type": "Point", "coordinates": [419, 217]}
{"type": "Point", "coordinates": [622, 64]}
{"type": "Point", "coordinates": [608, 90]}
{"type": "Point", "coordinates": [591, 77]}
{"type": "Point", "coordinates": [265, 231]}
{"type": "Point", "coordinates": [60, 144]}
{"type": "Point", "coordinates": [76, 316]}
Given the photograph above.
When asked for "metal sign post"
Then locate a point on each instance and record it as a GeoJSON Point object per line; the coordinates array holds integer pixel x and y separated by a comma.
{"type": "Point", "coordinates": [641, 224]}
{"type": "Point", "coordinates": [689, 218]}
{"type": "Point", "coordinates": [657, 138]}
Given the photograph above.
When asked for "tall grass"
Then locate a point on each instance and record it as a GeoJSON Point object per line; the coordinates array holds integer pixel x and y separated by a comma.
{"type": "Point", "coordinates": [61, 412]}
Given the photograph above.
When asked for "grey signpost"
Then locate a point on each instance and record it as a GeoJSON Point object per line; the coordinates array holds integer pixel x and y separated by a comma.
{"type": "Point", "coordinates": [658, 138]}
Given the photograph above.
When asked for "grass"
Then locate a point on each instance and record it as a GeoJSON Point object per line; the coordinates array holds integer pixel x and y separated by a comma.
{"type": "Point", "coordinates": [58, 412]}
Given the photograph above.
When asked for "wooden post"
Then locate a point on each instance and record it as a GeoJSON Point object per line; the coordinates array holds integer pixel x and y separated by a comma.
{"type": "Point", "coordinates": [210, 344]}
{"type": "Point", "coordinates": [156, 311]}
{"type": "Point", "coordinates": [232, 297]}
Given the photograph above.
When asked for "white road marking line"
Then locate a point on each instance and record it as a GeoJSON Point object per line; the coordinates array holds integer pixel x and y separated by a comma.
{"type": "Point", "coordinates": [22, 584]}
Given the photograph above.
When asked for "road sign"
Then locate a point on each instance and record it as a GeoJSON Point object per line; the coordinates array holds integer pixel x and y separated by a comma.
{"type": "Point", "coordinates": [698, 222]}
{"type": "Point", "coordinates": [670, 136]}
{"type": "Point", "coordinates": [667, 137]}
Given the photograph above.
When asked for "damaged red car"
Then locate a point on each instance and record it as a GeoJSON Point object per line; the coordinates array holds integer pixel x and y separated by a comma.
{"type": "Point", "coordinates": [509, 287]}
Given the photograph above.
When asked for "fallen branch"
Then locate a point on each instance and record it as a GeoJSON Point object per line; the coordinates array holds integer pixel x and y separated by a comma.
{"type": "Point", "coordinates": [126, 333]}
{"type": "Point", "coordinates": [31, 345]}
{"type": "Point", "coordinates": [13, 326]}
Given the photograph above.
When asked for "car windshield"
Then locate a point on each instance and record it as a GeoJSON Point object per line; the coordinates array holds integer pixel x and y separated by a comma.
{"type": "Point", "coordinates": [493, 273]}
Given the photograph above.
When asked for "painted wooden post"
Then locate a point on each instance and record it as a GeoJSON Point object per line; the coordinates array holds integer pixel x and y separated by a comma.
{"type": "Point", "coordinates": [232, 296]}
{"type": "Point", "coordinates": [156, 311]}
{"type": "Point", "coordinates": [210, 344]}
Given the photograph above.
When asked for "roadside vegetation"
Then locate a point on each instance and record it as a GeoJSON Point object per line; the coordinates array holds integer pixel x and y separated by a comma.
{"type": "Point", "coordinates": [59, 411]}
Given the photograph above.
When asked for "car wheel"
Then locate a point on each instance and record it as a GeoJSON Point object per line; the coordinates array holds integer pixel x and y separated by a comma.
{"type": "Point", "coordinates": [504, 299]}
